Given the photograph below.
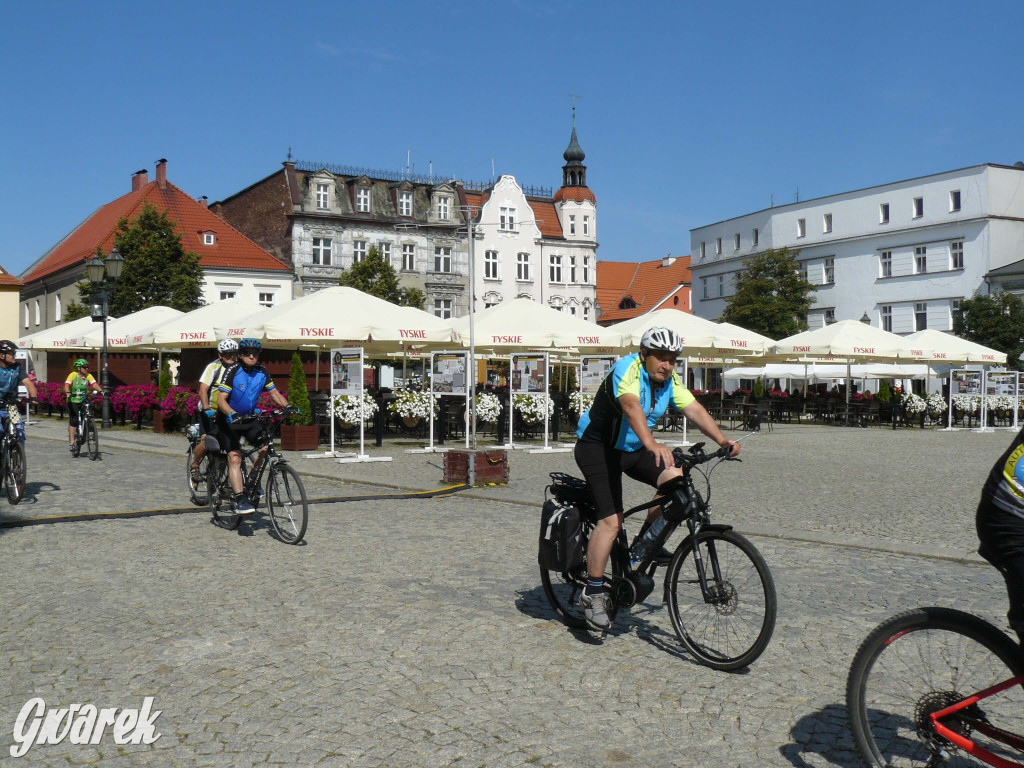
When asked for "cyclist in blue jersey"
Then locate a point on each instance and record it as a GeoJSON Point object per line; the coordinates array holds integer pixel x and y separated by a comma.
{"type": "Point", "coordinates": [10, 378]}
{"type": "Point", "coordinates": [615, 437]}
{"type": "Point", "coordinates": [240, 389]}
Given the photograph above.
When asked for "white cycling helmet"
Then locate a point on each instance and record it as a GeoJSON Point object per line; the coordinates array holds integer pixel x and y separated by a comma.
{"type": "Point", "coordinates": [226, 346]}
{"type": "Point", "coordinates": [662, 338]}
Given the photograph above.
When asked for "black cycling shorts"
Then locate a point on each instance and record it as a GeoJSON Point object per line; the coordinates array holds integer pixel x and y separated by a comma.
{"type": "Point", "coordinates": [74, 414]}
{"type": "Point", "coordinates": [230, 435]}
{"type": "Point", "coordinates": [1001, 535]}
{"type": "Point", "coordinates": [603, 467]}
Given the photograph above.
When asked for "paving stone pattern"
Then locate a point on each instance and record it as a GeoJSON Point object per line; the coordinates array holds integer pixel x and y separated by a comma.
{"type": "Point", "coordinates": [416, 632]}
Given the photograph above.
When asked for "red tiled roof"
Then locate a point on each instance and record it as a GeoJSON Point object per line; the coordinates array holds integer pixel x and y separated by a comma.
{"type": "Point", "coordinates": [579, 194]}
{"type": "Point", "coordinates": [547, 218]}
{"type": "Point", "coordinates": [231, 249]}
{"type": "Point", "coordinates": [647, 283]}
{"type": "Point", "coordinates": [6, 278]}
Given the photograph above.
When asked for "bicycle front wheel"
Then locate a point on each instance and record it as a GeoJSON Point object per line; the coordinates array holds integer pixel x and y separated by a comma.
{"type": "Point", "coordinates": [219, 496]}
{"type": "Point", "coordinates": [15, 472]}
{"type": "Point", "coordinates": [286, 502]}
{"type": "Point", "coordinates": [920, 662]}
{"type": "Point", "coordinates": [92, 441]}
{"type": "Point", "coordinates": [729, 627]}
{"type": "Point", "coordinates": [564, 590]}
{"type": "Point", "coordinates": [197, 491]}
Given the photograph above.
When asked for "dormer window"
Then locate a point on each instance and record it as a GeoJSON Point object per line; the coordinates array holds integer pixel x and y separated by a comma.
{"type": "Point", "coordinates": [405, 203]}
{"type": "Point", "coordinates": [443, 208]}
{"type": "Point", "coordinates": [627, 303]}
{"type": "Point", "coordinates": [322, 197]}
{"type": "Point", "coordinates": [363, 200]}
{"type": "Point", "coordinates": [209, 238]}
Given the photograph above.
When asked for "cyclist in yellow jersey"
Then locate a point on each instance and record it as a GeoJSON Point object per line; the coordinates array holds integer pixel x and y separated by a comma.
{"type": "Point", "coordinates": [76, 388]}
{"type": "Point", "coordinates": [227, 352]}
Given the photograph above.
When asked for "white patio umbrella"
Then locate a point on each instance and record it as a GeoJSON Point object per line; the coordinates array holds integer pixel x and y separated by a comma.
{"type": "Point", "coordinates": [56, 338]}
{"type": "Point", "coordinates": [196, 328]}
{"type": "Point", "coordinates": [129, 329]}
{"type": "Point", "coordinates": [947, 348]}
{"type": "Point", "coordinates": [698, 334]}
{"type": "Point", "coordinates": [527, 324]}
{"type": "Point", "coordinates": [338, 316]}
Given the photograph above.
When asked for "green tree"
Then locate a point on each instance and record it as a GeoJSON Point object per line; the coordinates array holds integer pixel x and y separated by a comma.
{"type": "Point", "coordinates": [375, 276]}
{"type": "Point", "coordinates": [164, 382]}
{"type": "Point", "coordinates": [771, 297]}
{"type": "Point", "coordinates": [157, 268]}
{"type": "Point", "coordinates": [298, 395]}
{"type": "Point", "coordinates": [994, 320]}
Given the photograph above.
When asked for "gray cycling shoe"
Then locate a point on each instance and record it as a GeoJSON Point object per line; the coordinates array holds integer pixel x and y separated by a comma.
{"type": "Point", "coordinates": [595, 611]}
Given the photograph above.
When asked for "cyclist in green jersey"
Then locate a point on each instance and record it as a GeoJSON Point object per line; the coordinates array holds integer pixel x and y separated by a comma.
{"type": "Point", "coordinates": [76, 388]}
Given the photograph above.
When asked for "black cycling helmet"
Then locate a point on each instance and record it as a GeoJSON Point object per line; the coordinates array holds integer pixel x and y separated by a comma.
{"type": "Point", "coordinates": [8, 347]}
{"type": "Point", "coordinates": [249, 343]}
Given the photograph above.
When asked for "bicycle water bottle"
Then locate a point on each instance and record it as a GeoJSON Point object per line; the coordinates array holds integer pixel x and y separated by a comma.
{"type": "Point", "coordinates": [643, 544]}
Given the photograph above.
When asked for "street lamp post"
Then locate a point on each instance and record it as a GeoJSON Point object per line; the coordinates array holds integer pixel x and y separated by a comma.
{"type": "Point", "coordinates": [103, 292]}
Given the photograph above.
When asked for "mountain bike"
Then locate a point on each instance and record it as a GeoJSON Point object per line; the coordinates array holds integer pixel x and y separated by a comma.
{"type": "Point", "coordinates": [87, 434]}
{"type": "Point", "coordinates": [197, 490]}
{"type": "Point", "coordinates": [720, 593]}
{"type": "Point", "coordinates": [284, 493]}
{"type": "Point", "coordinates": [13, 465]}
{"type": "Point", "coordinates": [937, 686]}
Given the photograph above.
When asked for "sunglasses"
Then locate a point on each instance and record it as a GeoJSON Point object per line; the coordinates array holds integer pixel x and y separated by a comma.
{"type": "Point", "coordinates": [249, 352]}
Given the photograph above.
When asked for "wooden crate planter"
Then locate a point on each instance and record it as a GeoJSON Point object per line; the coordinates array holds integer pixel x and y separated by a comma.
{"type": "Point", "coordinates": [300, 437]}
{"type": "Point", "coordinates": [490, 467]}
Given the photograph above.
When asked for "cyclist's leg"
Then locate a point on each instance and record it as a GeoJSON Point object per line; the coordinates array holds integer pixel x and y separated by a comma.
{"type": "Point", "coordinates": [643, 467]}
{"type": "Point", "coordinates": [600, 466]}
{"type": "Point", "coordinates": [1001, 535]}
{"type": "Point", "coordinates": [72, 422]}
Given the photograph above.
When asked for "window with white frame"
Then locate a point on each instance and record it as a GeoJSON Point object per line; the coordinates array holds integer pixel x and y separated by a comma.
{"type": "Point", "coordinates": [586, 270]}
{"type": "Point", "coordinates": [572, 270]}
{"type": "Point", "coordinates": [491, 265]}
{"type": "Point", "coordinates": [885, 262]}
{"type": "Point", "coordinates": [826, 223]}
{"type": "Point", "coordinates": [918, 207]}
{"type": "Point", "coordinates": [703, 287]}
{"type": "Point", "coordinates": [755, 236]}
{"type": "Point", "coordinates": [721, 285]}
{"type": "Point", "coordinates": [38, 314]}
{"type": "Point", "coordinates": [405, 203]}
{"type": "Point", "coordinates": [830, 316]}
{"type": "Point", "coordinates": [955, 311]}
{"type": "Point", "coordinates": [507, 219]}
{"type": "Point", "coordinates": [736, 241]}
{"type": "Point", "coordinates": [703, 249]}
{"type": "Point", "coordinates": [322, 250]}
{"type": "Point", "coordinates": [830, 270]}
{"type": "Point", "coordinates": [920, 259]}
{"type": "Point", "coordinates": [956, 254]}
{"type": "Point", "coordinates": [718, 246]}
{"type": "Point", "coordinates": [385, 252]}
{"type": "Point", "coordinates": [920, 315]}
{"type": "Point", "coordinates": [363, 199]}
{"type": "Point", "coordinates": [523, 266]}
{"type": "Point", "coordinates": [266, 299]}
{"type": "Point", "coordinates": [408, 257]}
{"type": "Point", "coordinates": [25, 315]}
{"type": "Point", "coordinates": [443, 308]}
{"type": "Point", "coordinates": [208, 238]}
{"type": "Point", "coordinates": [586, 312]}
{"type": "Point", "coordinates": [954, 200]}
{"type": "Point", "coordinates": [359, 251]}
{"type": "Point", "coordinates": [883, 213]}
{"type": "Point", "coordinates": [886, 310]}
{"type": "Point", "coordinates": [444, 208]}
{"type": "Point", "coordinates": [801, 227]}
{"type": "Point", "coordinates": [803, 271]}
{"type": "Point", "coordinates": [586, 226]}
{"type": "Point", "coordinates": [57, 310]}
{"type": "Point", "coordinates": [443, 258]}
{"type": "Point", "coordinates": [572, 224]}
{"type": "Point", "coordinates": [226, 294]}
{"type": "Point", "coordinates": [323, 197]}
{"type": "Point", "coordinates": [555, 274]}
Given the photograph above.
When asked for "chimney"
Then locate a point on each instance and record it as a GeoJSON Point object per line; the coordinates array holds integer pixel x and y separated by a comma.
{"type": "Point", "coordinates": [140, 179]}
{"type": "Point", "coordinates": [203, 201]}
{"type": "Point", "coordinates": [161, 173]}
{"type": "Point", "coordinates": [668, 261]}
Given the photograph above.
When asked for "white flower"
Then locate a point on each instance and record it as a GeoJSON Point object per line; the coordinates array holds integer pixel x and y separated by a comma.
{"type": "Point", "coordinates": [913, 403]}
{"type": "Point", "coordinates": [936, 405]}
{"type": "Point", "coordinates": [413, 405]}
{"type": "Point", "coordinates": [352, 408]}
{"type": "Point", "coordinates": [966, 403]}
{"type": "Point", "coordinates": [580, 402]}
{"type": "Point", "coordinates": [532, 407]}
{"type": "Point", "coordinates": [487, 407]}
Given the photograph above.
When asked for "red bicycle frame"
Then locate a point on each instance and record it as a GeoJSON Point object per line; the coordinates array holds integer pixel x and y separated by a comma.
{"type": "Point", "coordinates": [1014, 740]}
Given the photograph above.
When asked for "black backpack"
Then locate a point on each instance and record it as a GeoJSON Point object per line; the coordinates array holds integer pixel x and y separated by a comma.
{"type": "Point", "coordinates": [561, 537]}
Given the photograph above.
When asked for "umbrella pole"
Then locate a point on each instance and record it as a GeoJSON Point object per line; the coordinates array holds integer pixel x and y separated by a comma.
{"type": "Point", "coordinates": [849, 381]}
{"type": "Point", "coordinates": [316, 376]}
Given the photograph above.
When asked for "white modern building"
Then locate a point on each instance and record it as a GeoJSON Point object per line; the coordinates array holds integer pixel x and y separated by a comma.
{"type": "Point", "coordinates": [903, 254]}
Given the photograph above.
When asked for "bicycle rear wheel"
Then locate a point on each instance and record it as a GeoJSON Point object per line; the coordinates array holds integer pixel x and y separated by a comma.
{"type": "Point", "coordinates": [732, 627]}
{"type": "Point", "coordinates": [92, 440]}
{"type": "Point", "coordinates": [197, 491]}
{"type": "Point", "coordinates": [219, 496]}
{"type": "Point", "coordinates": [918, 663]}
{"type": "Point", "coordinates": [286, 502]}
{"type": "Point", "coordinates": [15, 472]}
{"type": "Point", "coordinates": [564, 590]}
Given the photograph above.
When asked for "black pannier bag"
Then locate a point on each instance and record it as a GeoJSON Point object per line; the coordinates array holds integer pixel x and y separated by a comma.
{"type": "Point", "coordinates": [561, 537]}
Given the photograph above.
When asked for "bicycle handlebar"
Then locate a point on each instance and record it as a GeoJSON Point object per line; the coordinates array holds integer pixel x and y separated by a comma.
{"type": "Point", "coordinates": [696, 455]}
{"type": "Point", "coordinates": [277, 414]}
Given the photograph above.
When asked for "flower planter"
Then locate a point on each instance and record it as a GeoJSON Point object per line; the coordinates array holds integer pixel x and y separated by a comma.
{"type": "Point", "coordinates": [412, 421]}
{"type": "Point", "coordinates": [162, 424]}
{"type": "Point", "coordinates": [300, 437]}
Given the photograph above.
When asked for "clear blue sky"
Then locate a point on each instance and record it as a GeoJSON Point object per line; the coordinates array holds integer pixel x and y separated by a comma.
{"type": "Point", "coordinates": [689, 112]}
